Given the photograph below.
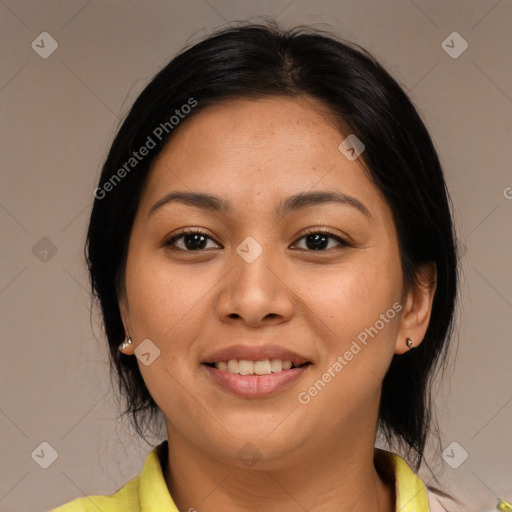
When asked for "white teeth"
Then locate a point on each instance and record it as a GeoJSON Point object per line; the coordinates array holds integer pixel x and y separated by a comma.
{"type": "Point", "coordinates": [222, 365]}
{"type": "Point", "coordinates": [232, 366]}
{"type": "Point", "coordinates": [262, 367]}
{"type": "Point", "coordinates": [246, 367]}
{"type": "Point", "coordinates": [276, 365]}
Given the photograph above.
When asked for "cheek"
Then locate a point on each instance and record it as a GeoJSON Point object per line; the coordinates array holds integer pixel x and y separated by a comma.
{"type": "Point", "coordinates": [162, 297]}
{"type": "Point", "coordinates": [357, 330]}
{"type": "Point", "coordinates": [351, 296]}
{"type": "Point", "coordinates": [165, 305]}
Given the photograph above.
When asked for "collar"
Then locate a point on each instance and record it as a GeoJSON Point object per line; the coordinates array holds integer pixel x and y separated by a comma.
{"type": "Point", "coordinates": [410, 491]}
{"type": "Point", "coordinates": [153, 492]}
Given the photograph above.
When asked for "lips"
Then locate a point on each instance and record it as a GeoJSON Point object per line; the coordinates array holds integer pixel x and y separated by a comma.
{"type": "Point", "coordinates": [221, 365]}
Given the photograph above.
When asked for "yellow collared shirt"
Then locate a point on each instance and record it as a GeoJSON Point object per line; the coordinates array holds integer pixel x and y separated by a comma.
{"type": "Point", "coordinates": [148, 492]}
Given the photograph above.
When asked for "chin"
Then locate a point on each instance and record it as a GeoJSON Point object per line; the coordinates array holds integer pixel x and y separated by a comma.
{"type": "Point", "coordinates": [257, 450]}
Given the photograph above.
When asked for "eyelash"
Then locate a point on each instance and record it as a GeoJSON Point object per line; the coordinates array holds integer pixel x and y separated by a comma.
{"type": "Point", "coordinates": [311, 231]}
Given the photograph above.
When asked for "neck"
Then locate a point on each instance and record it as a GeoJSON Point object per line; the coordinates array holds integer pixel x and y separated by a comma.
{"type": "Point", "coordinates": [342, 479]}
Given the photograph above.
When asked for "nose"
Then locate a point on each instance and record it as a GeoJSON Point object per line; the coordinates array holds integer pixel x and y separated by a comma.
{"type": "Point", "coordinates": [255, 292]}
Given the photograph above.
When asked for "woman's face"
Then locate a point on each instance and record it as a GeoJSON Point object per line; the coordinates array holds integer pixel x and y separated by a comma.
{"type": "Point", "coordinates": [252, 287]}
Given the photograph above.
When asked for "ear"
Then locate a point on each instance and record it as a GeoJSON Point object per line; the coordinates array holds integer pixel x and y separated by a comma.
{"type": "Point", "coordinates": [125, 317]}
{"type": "Point", "coordinates": [418, 308]}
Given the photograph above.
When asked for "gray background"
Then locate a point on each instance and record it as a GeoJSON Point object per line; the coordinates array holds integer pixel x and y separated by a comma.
{"type": "Point", "coordinates": [58, 116]}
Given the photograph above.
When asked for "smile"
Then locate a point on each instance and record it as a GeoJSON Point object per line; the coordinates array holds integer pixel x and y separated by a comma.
{"type": "Point", "coordinates": [255, 379]}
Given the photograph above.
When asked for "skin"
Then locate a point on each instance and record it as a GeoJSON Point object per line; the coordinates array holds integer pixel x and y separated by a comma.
{"type": "Point", "coordinates": [315, 457]}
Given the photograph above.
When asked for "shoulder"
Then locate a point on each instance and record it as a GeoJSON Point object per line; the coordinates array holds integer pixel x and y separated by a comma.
{"type": "Point", "coordinates": [126, 498]}
{"type": "Point", "coordinates": [411, 492]}
{"type": "Point", "coordinates": [148, 491]}
{"type": "Point", "coordinates": [435, 502]}
{"type": "Point", "coordinates": [442, 502]}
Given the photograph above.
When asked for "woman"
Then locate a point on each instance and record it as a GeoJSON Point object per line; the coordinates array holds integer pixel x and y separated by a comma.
{"type": "Point", "coordinates": [273, 251]}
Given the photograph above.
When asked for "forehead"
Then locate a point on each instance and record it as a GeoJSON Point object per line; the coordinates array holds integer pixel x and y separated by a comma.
{"type": "Point", "coordinates": [243, 126]}
{"type": "Point", "coordinates": [259, 150]}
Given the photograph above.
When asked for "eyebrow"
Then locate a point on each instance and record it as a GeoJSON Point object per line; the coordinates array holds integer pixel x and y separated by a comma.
{"type": "Point", "coordinates": [291, 204]}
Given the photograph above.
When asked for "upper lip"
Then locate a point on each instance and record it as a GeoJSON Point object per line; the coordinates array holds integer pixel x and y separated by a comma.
{"type": "Point", "coordinates": [255, 353]}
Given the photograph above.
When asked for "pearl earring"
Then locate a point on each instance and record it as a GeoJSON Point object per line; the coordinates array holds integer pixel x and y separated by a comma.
{"type": "Point", "coordinates": [126, 343]}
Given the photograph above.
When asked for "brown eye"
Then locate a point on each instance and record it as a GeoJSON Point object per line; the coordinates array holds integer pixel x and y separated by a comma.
{"type": "Point", "coordinates": [194, 241]}
{"type": "Point", "coordinates": [319, 240]}
{"type": "Point", "coordinates": [191, 241]}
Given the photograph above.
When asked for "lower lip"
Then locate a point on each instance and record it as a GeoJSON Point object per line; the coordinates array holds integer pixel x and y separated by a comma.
{"type": "Point", "coordinates": [256, 386]}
